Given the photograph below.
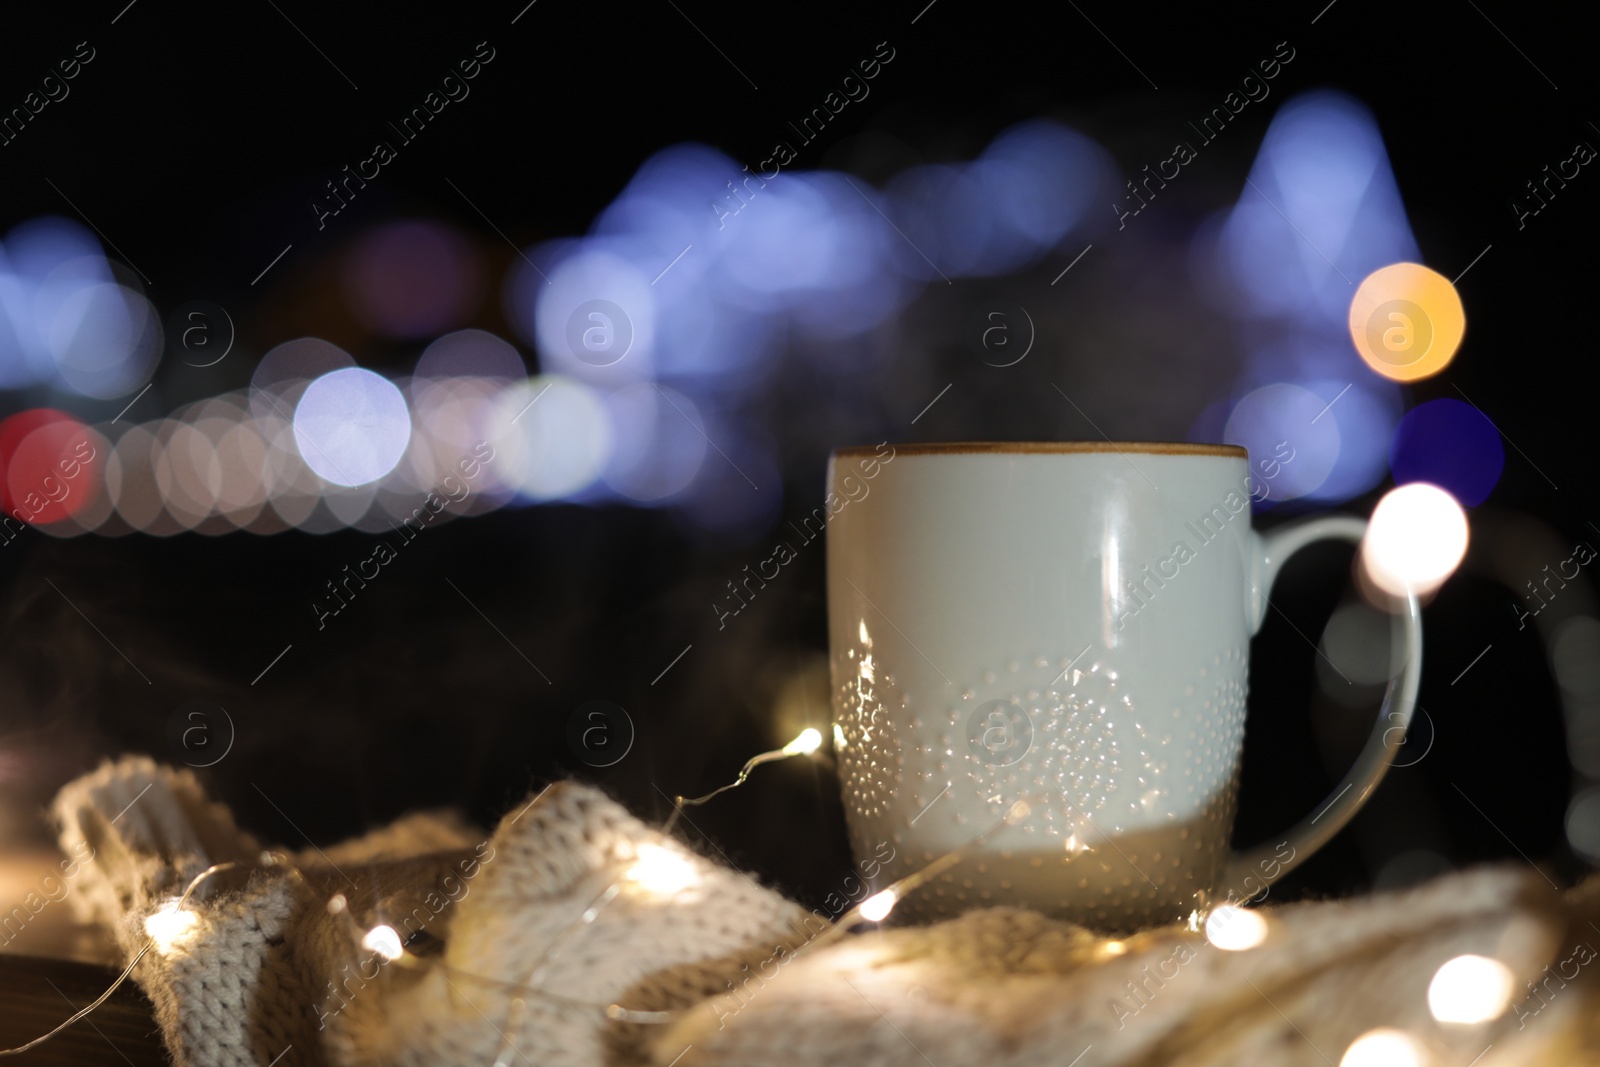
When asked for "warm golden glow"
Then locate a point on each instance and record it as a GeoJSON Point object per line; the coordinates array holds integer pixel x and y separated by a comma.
{"type": "Point", "coordinates": [877, 907]}
{"type": "Point", "coordinates": [171, 927]}
{"type": "Point", "coordinates": [662, 871]}
{"type": "Point", "coordinates": [808, 742]}
{"type": "Point", "coordinates": [384, 941]}
{"type": "Point", "coordinates": [1470, 989]}
{"type": "Point", "coordinates": [861, 628]}
{"type": "Point", "coordinates": [838, 737]}
{"type": "Point", "coordinates": [1383, 1047]}
{"type": "Point", "coordinates": [1235, 929]}
{"type": "Point", "coordinates": [1114, 948]}
{"type": "Point", "coordinates": [1406, 321]}
{"type": "Point", "coordinates": [1417, 537]}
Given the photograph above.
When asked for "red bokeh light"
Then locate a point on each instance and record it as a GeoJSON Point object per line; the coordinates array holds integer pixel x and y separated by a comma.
{"type": "Point", "coordinates": [50, 465]}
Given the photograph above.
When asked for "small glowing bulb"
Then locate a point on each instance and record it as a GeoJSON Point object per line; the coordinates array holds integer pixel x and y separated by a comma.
{"type": "Point", "coordinates": [877, 907]}
{"type": "Point", "coordinates": [838, 737]}
{"type": "Point", "coordinates": [1115, 948]}
{"type": "Point", "coordinates": [336, 904]}
{"type": "Point", "coordinates": [1383, 1047]}
{"type": "Point", "coordinates": [170, 926]}
{"type": "Point", "coordinates": [662, 871]}
{"type": "Point", "coordinates": [1470, 989]}
{"type": "Point", "coordinates": [861, 628]}
{"type": "Point", "coordinates": [808, 742]}
{"type": "Point", "coordinates": [1234, 929]}
{"type": "Point", "coordinates": [384, 941]}
{"type": "Point", "coordinates": [1416, 539]}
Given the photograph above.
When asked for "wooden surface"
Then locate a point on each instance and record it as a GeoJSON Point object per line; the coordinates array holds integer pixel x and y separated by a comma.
{"type": "Point", "coordinates": [51, 965]}
{"type": "Point", "coordinates": [39, 994]}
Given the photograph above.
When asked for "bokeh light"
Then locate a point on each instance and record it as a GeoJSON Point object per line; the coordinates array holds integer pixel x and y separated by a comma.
{"type": "Point", "coordinates": [1583, 824]}
{"type": "Point", "coordinates": [106, 341]}
{"type": "Point", "coordinates": [1406, 321]}
{"type": "Point", "coordinates": [1235, 929]}
{"type": "Point", "coordinates": [50, 466]}
{"type": "Point", "coordinates": [1281, 423]}
{"type": "Point", "coordinates": [1416, 538]}
{"type": "Point", "coordinates": [1383, 1047]}
{"type": "Point", "coordinates": [552, 437]}
{"type": "Point", "coordinates": [662, 871]}
{"type": "Point", "coordinates": [657, 450]}
{"type": "Point", "coordinates": [1451, 444]}
{"type": "Point", "coordinates": [470, 354]}
{"type": "Point", "coordinates": [1322, 164]}
{"type": "Point", "coordinates": [352, 426]}
{"type": "Point", "coordinates": [1470, 989]}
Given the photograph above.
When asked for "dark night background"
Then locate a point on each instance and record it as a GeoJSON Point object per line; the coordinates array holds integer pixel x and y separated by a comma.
{"type": "Point", "coordinates": [198, 137]}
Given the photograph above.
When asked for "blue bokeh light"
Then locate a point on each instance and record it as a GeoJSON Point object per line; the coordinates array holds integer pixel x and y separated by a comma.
{"type": "Point", "coordinates": [1452, 445]}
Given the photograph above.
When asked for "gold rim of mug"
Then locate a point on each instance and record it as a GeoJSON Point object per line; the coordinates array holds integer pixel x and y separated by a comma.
{"type": "Point", "coordinates": [948, 448]}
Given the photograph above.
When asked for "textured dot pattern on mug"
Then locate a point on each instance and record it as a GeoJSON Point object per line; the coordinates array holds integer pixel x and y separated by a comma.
{"type": "Point", "coordinates": [867, 727]}
{"type": "Point", "coordinates": [1072, 750]}
{"type": "Point", "coordinates": [1080, 752]}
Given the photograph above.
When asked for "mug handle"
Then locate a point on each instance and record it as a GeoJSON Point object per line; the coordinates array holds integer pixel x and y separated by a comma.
{"type": "Point", "coordinates": [1264, 864]}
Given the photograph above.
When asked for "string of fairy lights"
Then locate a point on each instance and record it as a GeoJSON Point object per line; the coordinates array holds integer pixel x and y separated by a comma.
{"type": "Point", "coordinates": [1465, 991]}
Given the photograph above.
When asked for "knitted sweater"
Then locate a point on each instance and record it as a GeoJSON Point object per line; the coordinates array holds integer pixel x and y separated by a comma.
{"type": "Point", "coordinates": [518, 942]}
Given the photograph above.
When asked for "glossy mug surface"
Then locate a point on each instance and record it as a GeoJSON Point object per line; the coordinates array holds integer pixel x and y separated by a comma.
{"type": "Point", "coordinates": [1069, 625]}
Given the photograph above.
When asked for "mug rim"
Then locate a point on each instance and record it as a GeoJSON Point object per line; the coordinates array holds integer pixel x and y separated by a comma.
{"type": "Point", "coordinates": [951, 448]}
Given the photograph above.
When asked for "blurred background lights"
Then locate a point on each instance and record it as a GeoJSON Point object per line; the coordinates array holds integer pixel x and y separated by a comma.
{"type": "Point", "coordinates": [50, 466]}
{"type": "Point", "coordinates": [413, 278]}
{"type": "Point", "coordinates": [595, 318]}
{"type": "Point", "coordinates": [470, 354]}
{"type": "Point", "coordinates": [1416, 538]}
{"type": "Point", "coordinates": [1280, 421]}
{"type": "Point", "coordinates": [1384, 1047]}
{"type": "Point", "coordinates": [1356, 651]}
{"type": "Point", "coordinates": [1406, 321]}
{"type": "Point", "coordinates": [657, 450]}
{"type": "Point", "coordinates": [43, 263]}
{"type": "Point", "coordinates": [551, 435]}
{"type": "Point", "coordinates": [1575, 655]}
{"type": "Point", "coordinates": [1451, 444]}
{"type": "Point", "coordinates": [1235, 929]}
{"type": "Point", "coordinates": [1322, 165]}
{"type": "Point", "coordinates": [1583, 824]}
{"type": "Point", "coordinates": [1470, 989]}
{"type": "Point", "coordinates": [352, 426]}
{"type": "Point", "coordinates": [105, 340]}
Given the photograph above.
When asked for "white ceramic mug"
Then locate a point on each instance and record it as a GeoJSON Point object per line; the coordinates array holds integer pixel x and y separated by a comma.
{"type": "Point", "coordinates": [1066, 624]}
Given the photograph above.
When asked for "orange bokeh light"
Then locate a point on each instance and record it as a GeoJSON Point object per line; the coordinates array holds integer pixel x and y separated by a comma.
{"type": "Point", "coordinates": [1406, 321]}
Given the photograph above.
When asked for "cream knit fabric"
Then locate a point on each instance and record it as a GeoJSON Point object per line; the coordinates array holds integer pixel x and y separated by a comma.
{"type": "Point", "coordinates": [267, 974]}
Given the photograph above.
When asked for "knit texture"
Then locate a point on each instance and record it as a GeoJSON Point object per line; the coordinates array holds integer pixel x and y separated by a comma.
{"type": "Point", "coordinates": [518, 941]}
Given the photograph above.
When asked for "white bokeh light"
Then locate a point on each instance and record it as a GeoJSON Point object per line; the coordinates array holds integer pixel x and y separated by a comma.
{"type": "Point", "coordinates": [1234, 929]}
{"type": "Point", "coordinates": [552, 436]}
{"type": "Point", "coordinates": [1416, 539]}
{"type": "Point", "coordinates": [1470, 989]}
{"type": "Point", "coordinates": [1383, 1047]}
{"type": "Point", "coordinates": [352, 426]}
